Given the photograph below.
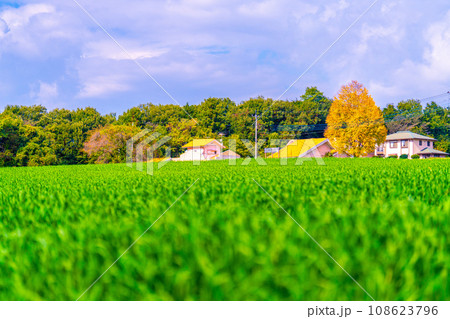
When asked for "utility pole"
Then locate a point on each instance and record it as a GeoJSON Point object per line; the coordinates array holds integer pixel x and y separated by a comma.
{"type": "Point", "coordinates": [256, 135]}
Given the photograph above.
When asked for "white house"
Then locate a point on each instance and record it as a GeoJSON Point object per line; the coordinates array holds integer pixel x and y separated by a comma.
{"type": "Point", "coordinates": [201, 150]}
{"type": "Point", "coordinates": [408, 143]}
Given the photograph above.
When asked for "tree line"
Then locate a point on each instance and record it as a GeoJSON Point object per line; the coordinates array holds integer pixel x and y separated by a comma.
{"type": "Point", "coordinates": [33, 136]}
{"type": "Point", "coordinates": [410, 115]}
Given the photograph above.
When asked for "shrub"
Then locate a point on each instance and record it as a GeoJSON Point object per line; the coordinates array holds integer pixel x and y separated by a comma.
{"type": "Point", "coordinates": [404, 156]}
{"type": "Point", "coordinates": [415, 156]}
{"type": "Point", "coordinates": [392, 156]}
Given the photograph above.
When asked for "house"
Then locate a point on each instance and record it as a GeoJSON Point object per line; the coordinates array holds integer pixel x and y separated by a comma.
{"type": "Point", "coordinates": [228, 155]}
{"type": "Point", "coordinates": [408, 143]}
{"type": "Point", "coordinates": [427, 153]}
{"type": "Point", "coordinates": [313, 147]}
{"type": "Point", "coordinates": [201, 150]}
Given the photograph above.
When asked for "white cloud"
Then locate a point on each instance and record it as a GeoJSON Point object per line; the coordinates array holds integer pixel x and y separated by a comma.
{"type": "Point", "coordinates": [18, 17]}
{"type": "Point", "coordinates": [103, 85]}
{"type": "Point", "coordinates": [428, 76]}
{"type": "Point", "coordinates": [108, 49]}
{"type": "Point", "coordinates": [265, 9]}
{"type": "Point", "coordinates": [387, 7]}
{"type": "Point", "coordinates": [38, 30]}
{"type": "Point", "coordinates": [15, 21]}
{"type": "Point", "coordinates": [369, 34]}
{"type": "Point", "coordinates": [333, 9]}
{"type": "Point", "coordinates": [437, 56]}
{"type": "Point", "coordinates": [228, 48]}
{"type": "Point", "coordinates": [46, 92]}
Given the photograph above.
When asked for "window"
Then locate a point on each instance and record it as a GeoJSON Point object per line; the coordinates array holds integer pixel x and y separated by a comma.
{"type": "Point", "coordinates": [428, 143]}
{"type": "Point", "coordinates": [393, 144]}
{"type": "Point", "coordinates": [404, 144]}
{"type": "Point", "coordinates": [420, 143]}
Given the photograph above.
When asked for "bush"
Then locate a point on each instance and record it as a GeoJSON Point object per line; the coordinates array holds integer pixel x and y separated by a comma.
{"type": "Point", "coordinates": [415, 156]}
{"type": "Point", "coordinates": [392, 156]}
{"type": "Point", "coordinates": [404, 156]}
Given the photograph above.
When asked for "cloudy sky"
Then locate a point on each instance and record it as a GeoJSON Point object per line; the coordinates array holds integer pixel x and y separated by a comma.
{"type": "Point", "coordinates": [53, 53]}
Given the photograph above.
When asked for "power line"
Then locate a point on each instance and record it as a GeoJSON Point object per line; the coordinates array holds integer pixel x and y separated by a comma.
{"type": "Point", "coordinates": [435, 96]}
{"type": "Point", "coordinates": [320, 128]}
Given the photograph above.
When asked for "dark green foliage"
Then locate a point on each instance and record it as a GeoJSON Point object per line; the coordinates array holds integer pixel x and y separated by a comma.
{"type": "Point", "coordinates": [433, 121]}
{"type": "Point", "coordinates": [29, 114]}
{"type": "Point", "coordinates": [415, 156]}
{"type": "Point", "coordinates": [385, 222]}
{"type": "Point", "coordinates": [32, 136]}
{"type": "Point", "coordinates": [212, 113]}
{"type": "Point", "coordinates": [403, 156]}
{"type": "Point", "coordinates": [12, 138]}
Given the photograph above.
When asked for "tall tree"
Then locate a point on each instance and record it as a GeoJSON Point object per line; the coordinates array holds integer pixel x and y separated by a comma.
{"type": "Point", "coordinates": [108, 144]}
{"type": "Point", "coordinates": [355, 123]}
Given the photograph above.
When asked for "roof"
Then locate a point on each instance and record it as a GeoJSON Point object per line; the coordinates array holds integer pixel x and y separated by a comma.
{"type": "Point", "coordinates": [428, 150]}
{"type": "Point", "coordinates": [407, 135]}
{"type": "Point", "coordinates": [295, 148]}
{"type": "Point", "coordinates": [230, 153]}
{"type": "Point", "coordinates": [201, 142]}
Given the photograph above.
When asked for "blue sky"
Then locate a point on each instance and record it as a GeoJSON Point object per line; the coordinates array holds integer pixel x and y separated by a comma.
{"type": "Point", "coordinates": [52, 53]}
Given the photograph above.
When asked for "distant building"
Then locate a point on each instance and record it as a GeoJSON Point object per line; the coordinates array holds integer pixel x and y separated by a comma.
{"type": "Point", "coordinates": [313, 147]}
{"type": "Point", "coordinates": [408, 143]}
{"type": "Point", "coordinates": [228, 155]}
{"type": "Point", "coordinates": [201, 150]}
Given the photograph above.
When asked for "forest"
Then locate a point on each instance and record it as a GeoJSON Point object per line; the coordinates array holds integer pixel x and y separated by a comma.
{"type": "Point", "coordinates": [35, 136]}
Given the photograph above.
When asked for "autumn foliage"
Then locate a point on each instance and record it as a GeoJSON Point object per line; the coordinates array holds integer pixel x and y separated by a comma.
{"type": "Point", "coordinates": [108, 144]}
{"type": "Point", "coordinates": [355, 123]}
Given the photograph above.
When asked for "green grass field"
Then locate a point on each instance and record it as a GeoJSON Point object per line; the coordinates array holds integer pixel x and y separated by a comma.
{"type": "Point", "coordinates": [386, 222]}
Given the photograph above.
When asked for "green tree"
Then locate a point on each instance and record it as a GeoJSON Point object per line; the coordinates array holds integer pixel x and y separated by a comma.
{"type": "Point", "coordinates": [11, 138]}
{"type": "Point", "coordinates": [436, 120]}
{"type": "Point", "coordinates": [406, 116]}
{"type": "Point", "coordinates": [212, 113]}
{"type": "Point", "coordinates": [29, 114]}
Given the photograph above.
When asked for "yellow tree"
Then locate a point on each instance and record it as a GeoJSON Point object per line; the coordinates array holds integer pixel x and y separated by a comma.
{"type": "Point", "coordinates": [355, 125]}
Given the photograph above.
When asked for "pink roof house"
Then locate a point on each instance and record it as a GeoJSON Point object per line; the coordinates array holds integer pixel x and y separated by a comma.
{"type": "Point", "coordinates": [409, 143]}
{"type": "Point", "coordinates": [201, 150]}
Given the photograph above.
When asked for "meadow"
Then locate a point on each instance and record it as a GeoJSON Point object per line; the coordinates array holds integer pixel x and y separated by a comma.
{"type": "Point", "coordinates": [385, 221]}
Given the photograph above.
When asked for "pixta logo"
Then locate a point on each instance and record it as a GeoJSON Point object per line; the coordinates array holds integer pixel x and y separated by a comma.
{"type": "Point", "coordinates": [142, 147]}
